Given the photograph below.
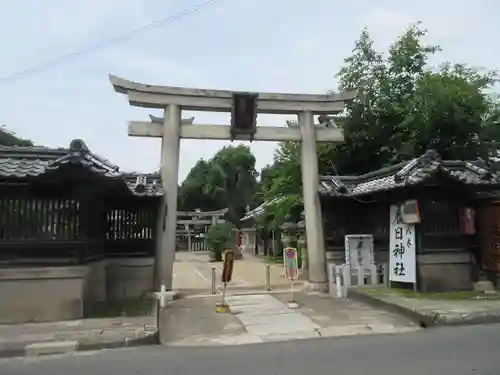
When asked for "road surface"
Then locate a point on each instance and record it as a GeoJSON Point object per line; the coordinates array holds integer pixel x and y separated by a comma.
{"type": "Point", "coordinates": [443, 351]}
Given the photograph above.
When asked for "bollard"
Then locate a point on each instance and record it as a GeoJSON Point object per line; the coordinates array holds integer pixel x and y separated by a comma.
{"type": "Point", "coordinates": [346, 275]}
{"type": "Point", "coordinates": [268, 278]}
{"type": "Point", "coordinates": [385, 268]}
{"type": "Point", "coordinates": [163, 291]}
{"type": "Point", "coordinates": [361, 276]}
{"type": "Point", "coordinates": [374, 274]}
{"type": "Point", "coordinates": [214, 291]}
{"type": "Point", "coordinates": [338, 281]}
{"type": "Point", "coordinates": [332, 272]}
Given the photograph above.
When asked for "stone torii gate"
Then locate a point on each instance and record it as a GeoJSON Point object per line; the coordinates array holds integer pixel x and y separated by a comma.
{"type": "Point", "coordinates": [195, 218]}
{"type": "Point", "coordinates": [244, 107]}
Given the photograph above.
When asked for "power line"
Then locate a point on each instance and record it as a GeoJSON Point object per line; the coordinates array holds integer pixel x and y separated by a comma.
{"type": "Point", "coordinates": [104, 44]}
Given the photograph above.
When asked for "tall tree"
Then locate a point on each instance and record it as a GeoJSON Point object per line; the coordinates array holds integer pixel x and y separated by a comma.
{"type": "Point", "coordinates": [194, 191]}
{"type": "Point", "coordinates": [403, 108]}
{"type": "Point", "coordinates": [228, 180]}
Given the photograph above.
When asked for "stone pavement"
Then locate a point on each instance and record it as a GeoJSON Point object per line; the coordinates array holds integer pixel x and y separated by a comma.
{"type": "Point", "coordinates": [193, 274]}
{"type": "Point", "coordinates": [33, 339]}
{"type": "Point", "coordinates": [432, 311]}
{"type": "Point", "coordinates": [266, 318]}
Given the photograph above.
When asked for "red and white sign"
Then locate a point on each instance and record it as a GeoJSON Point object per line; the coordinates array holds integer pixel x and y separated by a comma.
{"type": "Point", "coordinates": [291, 263]}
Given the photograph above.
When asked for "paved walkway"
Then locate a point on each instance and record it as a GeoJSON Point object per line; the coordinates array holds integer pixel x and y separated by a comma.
{"type": "Point", "coordinates": [266, 318]}
{"type": "Point", "coordinates": [69, 336]}
{"type": "Point", "coordinates": [193, 274]}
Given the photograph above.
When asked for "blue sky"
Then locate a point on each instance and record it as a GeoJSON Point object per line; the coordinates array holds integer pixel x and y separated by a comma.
{"type": "Point", "coordinates": [260, 45]}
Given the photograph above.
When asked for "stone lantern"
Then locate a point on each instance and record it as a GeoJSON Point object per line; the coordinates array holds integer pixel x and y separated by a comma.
{"type": "Point", "coordinates": [301, 243]}
{"type": "Point", "coordinates": [287, 233]}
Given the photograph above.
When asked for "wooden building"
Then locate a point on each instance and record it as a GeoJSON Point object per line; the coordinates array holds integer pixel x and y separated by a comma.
{"type": "Point", "coordinates": [74, 231]}
{"type": "Point", "coordinates": [448, 254]}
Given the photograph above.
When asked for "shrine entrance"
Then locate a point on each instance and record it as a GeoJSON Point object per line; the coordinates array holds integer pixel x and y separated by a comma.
{"type": "Point", "coordinates": [244, 108]}
{"type": "Point", "coordinates": [192, 226]}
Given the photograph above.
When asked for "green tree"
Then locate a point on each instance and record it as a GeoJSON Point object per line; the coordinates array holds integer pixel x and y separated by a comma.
{"type": "Point", "coordinates": [194, 192]}
{"type": "Point", "coordinates": [8, 138]}
{"type": "Point", "coordinates": [228, 180]}
{"type": "Point", "coordinates": [218, 238]}
{"type": "Point", "coordinates": [403, 108]}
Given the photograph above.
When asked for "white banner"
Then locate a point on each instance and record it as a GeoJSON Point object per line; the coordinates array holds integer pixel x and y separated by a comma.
{"type": "Point", "coordinates": [402, 249]}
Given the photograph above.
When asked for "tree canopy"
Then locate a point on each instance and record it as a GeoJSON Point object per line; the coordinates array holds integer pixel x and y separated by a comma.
{"type": "Point", "coordinates": [228, 180]}
{"type": "Point", "coordinates": [404, 107]}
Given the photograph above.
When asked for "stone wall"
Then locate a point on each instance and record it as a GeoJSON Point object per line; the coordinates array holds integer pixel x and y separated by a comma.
{"type": "Point", "coordinates": [42, 294]}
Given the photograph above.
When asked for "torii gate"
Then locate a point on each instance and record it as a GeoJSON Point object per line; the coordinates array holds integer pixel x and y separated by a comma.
{"type": "Point", "coordinates": [216, 217]}
{"type": "Point", "coordinates": [244, 108]}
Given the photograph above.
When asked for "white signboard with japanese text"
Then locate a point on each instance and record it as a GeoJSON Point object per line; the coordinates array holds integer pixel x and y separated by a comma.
{"type": "Point", "coordinates": [359, 250]}
{"type": "Point", "coordinates": [402, 249]}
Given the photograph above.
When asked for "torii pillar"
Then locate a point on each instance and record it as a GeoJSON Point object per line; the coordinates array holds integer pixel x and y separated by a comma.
{"type": "Point", "coordinates": [244, 108]}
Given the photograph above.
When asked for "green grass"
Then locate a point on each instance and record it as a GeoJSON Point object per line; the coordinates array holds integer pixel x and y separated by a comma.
{"type": "Point", "coordinates": [117, 308]}
{"type": "Point", "coordinates": [450, 296]}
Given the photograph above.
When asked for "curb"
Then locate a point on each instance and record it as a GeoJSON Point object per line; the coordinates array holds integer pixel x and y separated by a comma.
{"type": "Point", "coordinates": [65, 347]}
{"type": "Point", "coordinates": [423, 318]}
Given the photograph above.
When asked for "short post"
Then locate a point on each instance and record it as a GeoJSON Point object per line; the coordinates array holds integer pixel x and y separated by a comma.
{"type": "Point", "coordinates": [385, 268]}
{"type": "Point", "coordinates": [361, 276]}
{"type": "Point", "coordinates": [214, 291]}
{"type": "Point", "coordinates": [332, 272]}
{"type": "Point", "coordinates": [268, 278]}
{"type": "Point", "coordinates": [338, 281]}
{"type": "Point", "coordinates": [163, 291]}
{"type": "Point", "coordinates": [374, 274]}
{"type": "Point", "coordinates": [346, 275]}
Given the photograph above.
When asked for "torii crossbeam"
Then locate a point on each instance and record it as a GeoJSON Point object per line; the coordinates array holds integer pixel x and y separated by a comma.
{"type": "Point", "coordinates": [171, 128]}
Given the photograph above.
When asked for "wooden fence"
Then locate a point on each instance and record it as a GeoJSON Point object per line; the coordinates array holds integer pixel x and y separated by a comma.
{"type": "Point", "coordinates": [66, 228]}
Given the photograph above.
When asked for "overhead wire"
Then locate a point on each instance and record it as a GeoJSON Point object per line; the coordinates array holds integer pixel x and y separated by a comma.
{"type": "Point", "coordinates": [109, 42]}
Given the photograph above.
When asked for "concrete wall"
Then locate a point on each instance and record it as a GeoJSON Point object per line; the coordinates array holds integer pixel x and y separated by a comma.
{"type": "Point", "coordinates": [129, 278]}
{"type": "Point", "coordinates": [41, 294]}
{"type": "Point", "coordinates": [38, 294]}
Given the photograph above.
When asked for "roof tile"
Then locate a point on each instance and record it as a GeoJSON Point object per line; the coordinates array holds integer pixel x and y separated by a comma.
{"type": "Point", "coordinates": [409, 173]}
{"type": "Point", "coordinates": [32, 162]}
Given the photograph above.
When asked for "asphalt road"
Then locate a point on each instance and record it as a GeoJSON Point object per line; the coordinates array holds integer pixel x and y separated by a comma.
{"type": "Point", "coordinates": [443, 351]}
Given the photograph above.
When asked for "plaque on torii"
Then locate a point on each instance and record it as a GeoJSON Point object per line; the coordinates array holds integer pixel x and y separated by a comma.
{"type": "Point", "coordinates": [244, 108]}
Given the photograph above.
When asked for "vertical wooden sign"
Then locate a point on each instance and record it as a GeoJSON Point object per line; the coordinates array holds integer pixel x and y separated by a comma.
{"type": "Point", "coordinates": [227, 270]}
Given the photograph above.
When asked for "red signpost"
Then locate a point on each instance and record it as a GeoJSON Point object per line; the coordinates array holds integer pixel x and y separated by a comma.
{"type": "Point", "coordinates": [291, 263]}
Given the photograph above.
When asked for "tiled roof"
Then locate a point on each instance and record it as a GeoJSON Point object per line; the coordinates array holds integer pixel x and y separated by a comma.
{"type": "Point", "coordinates": [260, 209]}
{"type": "Point", "coordinates": [32, 162]}
{"type": "Point", "coordinates": [410, 173]}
